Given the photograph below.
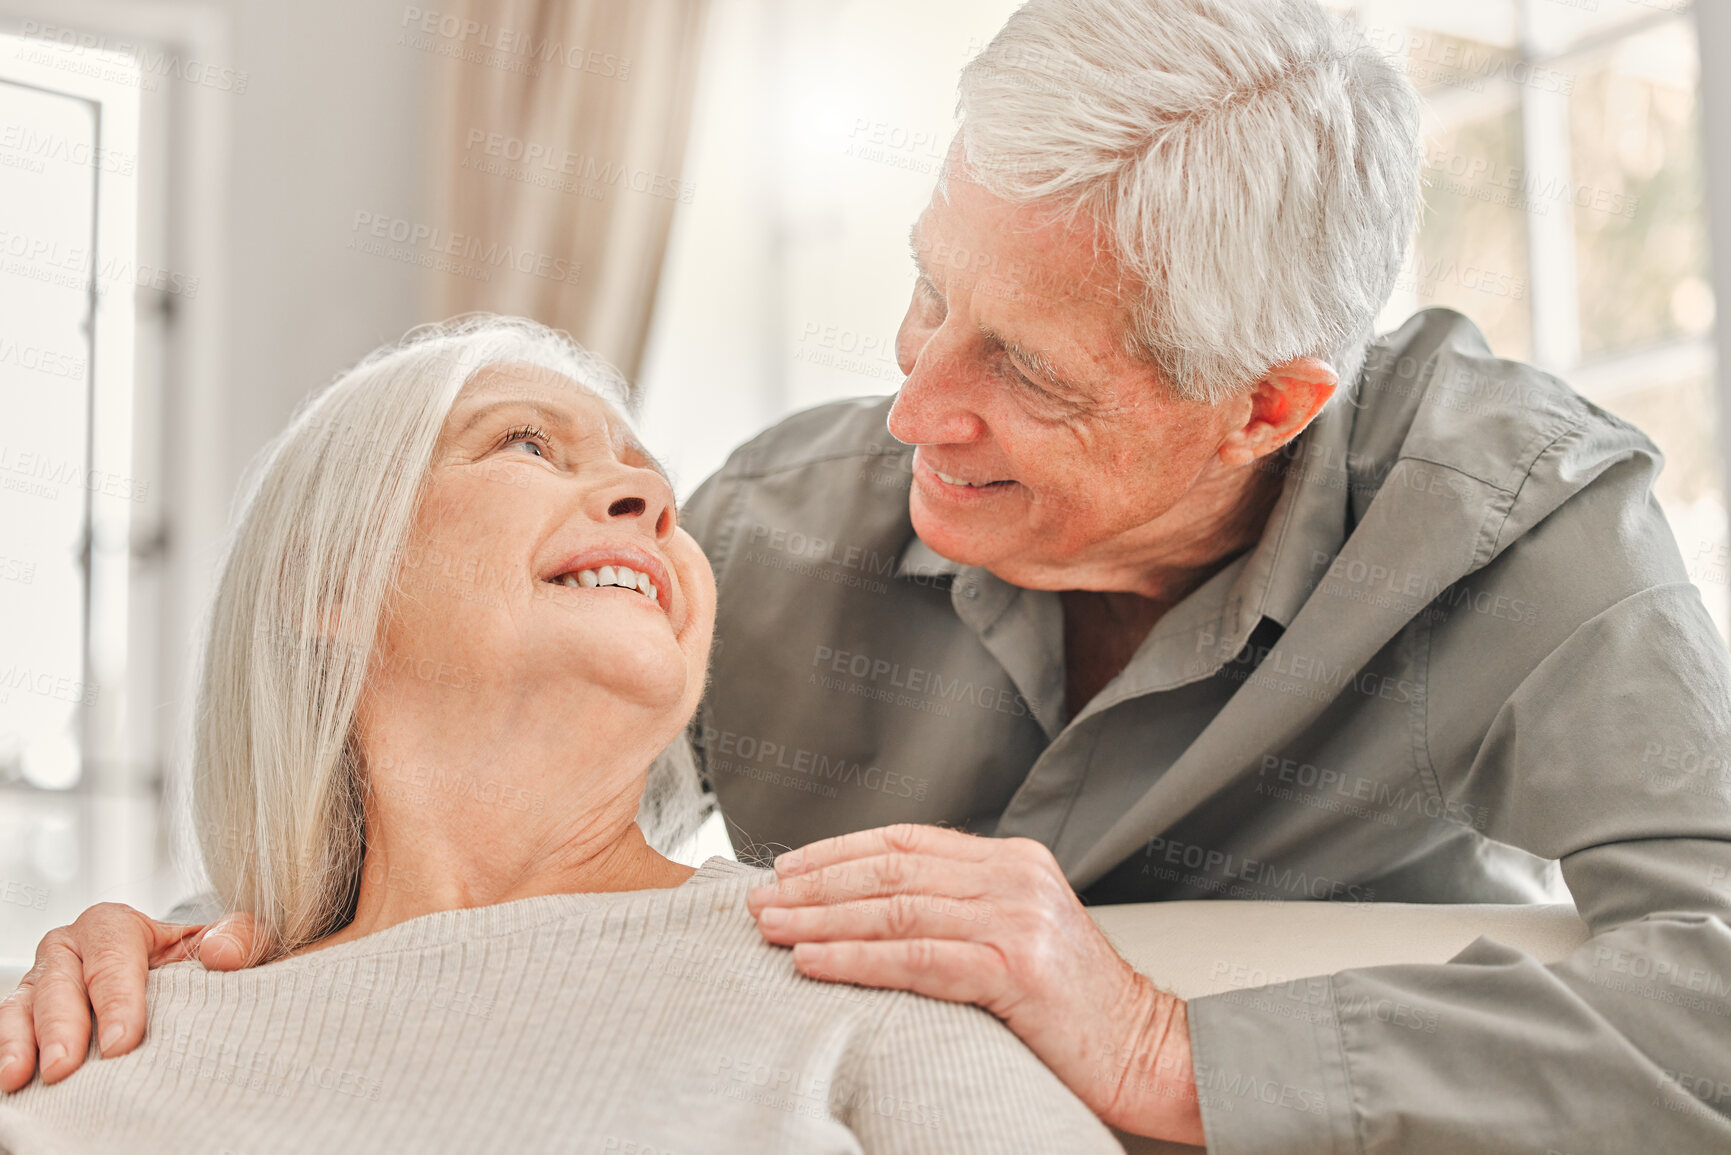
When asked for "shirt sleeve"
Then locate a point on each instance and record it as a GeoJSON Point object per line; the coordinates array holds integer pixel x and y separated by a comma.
{"type": "Point", "coordinates": [946, 1078]}
{"type": "Point", "coordinates": [1611, 758]}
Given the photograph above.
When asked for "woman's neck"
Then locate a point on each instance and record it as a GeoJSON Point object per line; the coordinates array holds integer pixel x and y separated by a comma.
{"type": "Point", "coordinates": [449, 833]}
{"type": "Point", "coordinates": [397, 886]}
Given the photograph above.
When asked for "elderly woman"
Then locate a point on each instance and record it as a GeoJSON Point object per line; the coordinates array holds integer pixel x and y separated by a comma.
{"type": "Point", "coordinates": [457, 622]}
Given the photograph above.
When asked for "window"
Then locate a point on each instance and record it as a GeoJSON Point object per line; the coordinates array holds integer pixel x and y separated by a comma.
{"type": "Point", "coordinates": [87, 308]}
{"type": "Point", "coordinates": [1566, 215]}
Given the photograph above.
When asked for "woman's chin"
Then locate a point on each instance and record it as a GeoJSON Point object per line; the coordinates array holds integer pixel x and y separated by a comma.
{"type": "Point", "coordinates": [656, 681]}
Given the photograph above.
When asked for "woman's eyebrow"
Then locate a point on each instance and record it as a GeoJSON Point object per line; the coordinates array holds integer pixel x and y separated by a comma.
{"type": "Point", "coordinates": [547, 416]}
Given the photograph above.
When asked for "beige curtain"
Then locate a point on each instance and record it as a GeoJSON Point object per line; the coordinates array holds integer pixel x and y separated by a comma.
{"type": "Point", "coordinates": [557, 164]}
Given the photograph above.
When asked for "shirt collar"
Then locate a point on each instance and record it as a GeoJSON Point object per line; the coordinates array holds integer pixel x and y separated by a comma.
{"type": "Point", "coordinates": [920, 560]}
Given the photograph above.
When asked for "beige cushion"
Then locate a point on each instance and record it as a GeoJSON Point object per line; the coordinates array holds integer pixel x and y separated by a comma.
{"type": "Point", "coordinates": [1204, 948]}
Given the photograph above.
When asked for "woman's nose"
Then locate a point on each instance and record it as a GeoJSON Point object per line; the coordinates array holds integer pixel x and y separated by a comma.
{"type": "Point", "coordinates": [645, 503]}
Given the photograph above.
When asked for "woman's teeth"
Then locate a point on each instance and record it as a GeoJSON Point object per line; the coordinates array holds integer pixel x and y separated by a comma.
{"type": "Point", "coordinates": [610, 575]}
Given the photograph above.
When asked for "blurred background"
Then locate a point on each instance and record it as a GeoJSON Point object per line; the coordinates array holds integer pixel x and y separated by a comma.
{"type": "Point", "coordinates": [208, 208]}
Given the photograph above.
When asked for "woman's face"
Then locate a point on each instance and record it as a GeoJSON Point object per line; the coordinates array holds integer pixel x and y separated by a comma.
{"type": "Point", "coordinates": [546, 584]}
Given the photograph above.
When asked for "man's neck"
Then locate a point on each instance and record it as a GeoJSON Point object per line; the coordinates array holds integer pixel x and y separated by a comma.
{"type": "Point", "coordinates": [1104, 628]}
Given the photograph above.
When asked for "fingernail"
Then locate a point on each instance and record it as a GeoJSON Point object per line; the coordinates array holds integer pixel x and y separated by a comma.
{"type": "Point", "coordinates": [788, 863]}
{"type": "Point", "coordinates": [774, 917]}
{"type": "Point", "coordinates": [812, 953]}
{"type": "Point", "coordinates": [111, 1035]}
{"type": "Point", "coordinates": [761, 893]}
{"type": "Point", "coordinates": [214, 938]}
{"type": "Point", "coordinates": [6, 1065]}
{"type": "Point", "coordinates": [52, 1054]}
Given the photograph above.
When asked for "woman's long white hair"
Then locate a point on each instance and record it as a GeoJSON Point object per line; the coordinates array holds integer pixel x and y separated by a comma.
{"type": "Point", "coordinates": [309, 574]}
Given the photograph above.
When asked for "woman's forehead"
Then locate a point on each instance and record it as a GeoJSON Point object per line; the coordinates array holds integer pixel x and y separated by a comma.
{"type": "Point", "coordinates": [553, 397]}
{"type": "Point", "coordinates": [537, 384]}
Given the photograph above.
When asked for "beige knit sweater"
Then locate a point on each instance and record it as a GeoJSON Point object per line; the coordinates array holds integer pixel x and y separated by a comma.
{"type": "Point", "coordinates": [643, 1023]}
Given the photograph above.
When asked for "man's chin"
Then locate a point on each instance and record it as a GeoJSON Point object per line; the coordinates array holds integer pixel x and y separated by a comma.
{"type": "Point", "coordinates": [964, 538]}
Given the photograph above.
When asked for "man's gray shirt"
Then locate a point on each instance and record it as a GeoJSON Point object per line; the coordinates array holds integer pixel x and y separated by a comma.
{"type": "Point", "coordinates": [1464, 663]}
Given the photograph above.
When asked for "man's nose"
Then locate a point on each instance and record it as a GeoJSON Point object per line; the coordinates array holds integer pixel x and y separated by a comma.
{"type": "Point", "coordinates": [933, 406]}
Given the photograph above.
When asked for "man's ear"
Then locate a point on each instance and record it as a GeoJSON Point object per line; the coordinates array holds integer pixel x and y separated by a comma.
{"type": "Point", "coordinates": [1287, 399]}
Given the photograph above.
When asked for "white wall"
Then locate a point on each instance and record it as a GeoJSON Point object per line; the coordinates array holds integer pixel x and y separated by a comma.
{"type": "Point", "coordinates": [333, 122]}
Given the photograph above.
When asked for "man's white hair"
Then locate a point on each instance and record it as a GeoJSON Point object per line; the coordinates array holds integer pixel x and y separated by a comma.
{"type": "Point", "coordinates": [310, 572]}
{"type": "Point", "coordinates": [1254, 162]}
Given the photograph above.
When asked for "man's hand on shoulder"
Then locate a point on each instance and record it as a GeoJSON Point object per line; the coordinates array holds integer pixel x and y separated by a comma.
{"type": "Point", "coordinates": [100, 962]}
{"type": "Point", "coordinates": [993, 922]}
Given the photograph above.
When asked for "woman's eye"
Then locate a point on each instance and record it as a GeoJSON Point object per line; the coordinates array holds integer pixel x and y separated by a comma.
{"type": "Point", "coordinates": [530, 439]}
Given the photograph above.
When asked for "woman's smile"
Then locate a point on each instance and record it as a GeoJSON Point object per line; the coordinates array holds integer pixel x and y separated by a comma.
{"type": "Point", "coordinates": [621, 567]}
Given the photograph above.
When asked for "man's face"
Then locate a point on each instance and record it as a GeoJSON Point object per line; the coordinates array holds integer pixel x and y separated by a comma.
{"type": "Point", "coordinates": [1077, 458]}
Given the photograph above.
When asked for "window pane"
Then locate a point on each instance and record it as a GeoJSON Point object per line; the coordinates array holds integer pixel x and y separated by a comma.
{"type": "Point", "coordinates": [1640, 219]}
{"type": "Point", "coordinates": [1558, 25]}
{"type": "Point", "coordinates": [1471, 252]}
{"type": "Point", "coordinates": [48, 188]}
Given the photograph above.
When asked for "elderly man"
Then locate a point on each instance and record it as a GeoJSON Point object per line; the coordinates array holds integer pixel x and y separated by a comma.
{"type": "Point", "coordinates": [1162, 573]}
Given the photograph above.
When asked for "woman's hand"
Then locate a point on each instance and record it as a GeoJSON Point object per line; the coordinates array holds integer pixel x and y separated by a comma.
{"type": "Point", "coordinates": [101, 961]}
{"type": "Point", "coordinates": [990, 921]}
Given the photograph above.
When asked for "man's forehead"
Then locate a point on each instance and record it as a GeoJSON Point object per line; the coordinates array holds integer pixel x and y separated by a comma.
{"type": "Point", "coordinates": [1033, 252]}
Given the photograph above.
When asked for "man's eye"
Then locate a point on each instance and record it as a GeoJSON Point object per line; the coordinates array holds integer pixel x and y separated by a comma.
{"type": "Point", "coordinates": [1023, 382]}
{"type": "Point", "coordinates": [929, 295]}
